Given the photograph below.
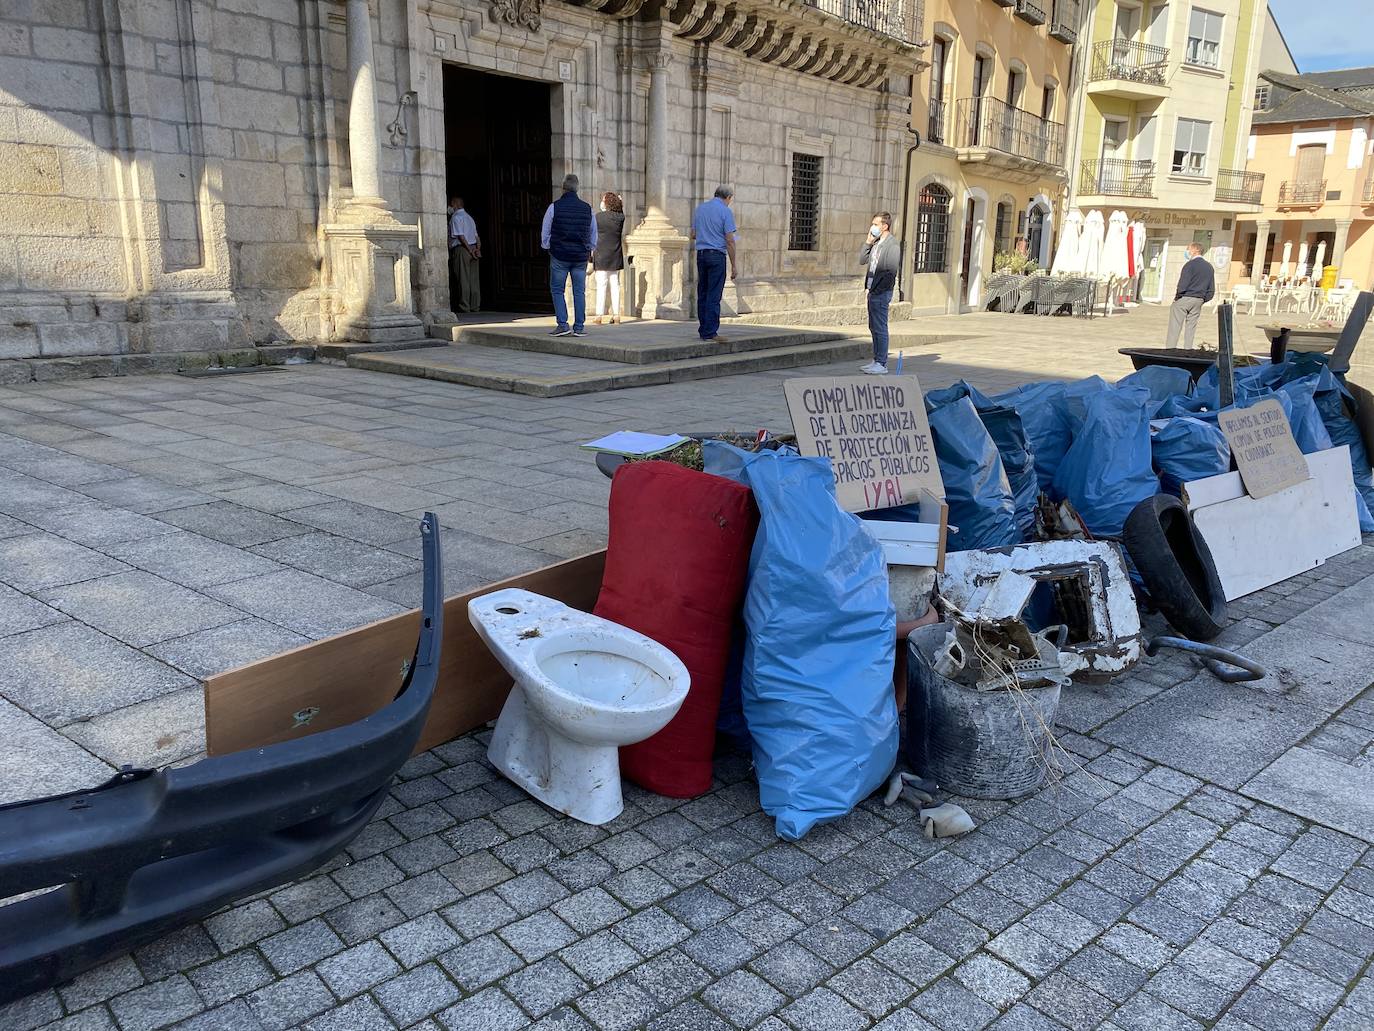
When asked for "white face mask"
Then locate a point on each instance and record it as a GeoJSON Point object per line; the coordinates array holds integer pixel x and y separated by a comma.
{"type": "Point", "coordinates": [603, 205]}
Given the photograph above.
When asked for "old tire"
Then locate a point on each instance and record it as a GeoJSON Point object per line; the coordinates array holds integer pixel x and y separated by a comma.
{"type": "Point", "coordinates": [1177, 566]}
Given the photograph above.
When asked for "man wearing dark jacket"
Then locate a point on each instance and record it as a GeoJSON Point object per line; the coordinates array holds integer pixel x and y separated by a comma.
{"type": "Point", "coordinates": [1197, 284]}
{"type": "Point", "coordinates": [569, 235]}
{"type": "Point", "coordinates": [882, 254]}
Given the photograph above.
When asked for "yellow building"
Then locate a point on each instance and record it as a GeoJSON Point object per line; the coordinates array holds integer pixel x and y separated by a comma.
{"type": "Point", "coordinates": [1161, 123]}
{"type": "Point", "coordinates": [990, 168]}
{"type": "Point", "coordinates": [1311, 142]}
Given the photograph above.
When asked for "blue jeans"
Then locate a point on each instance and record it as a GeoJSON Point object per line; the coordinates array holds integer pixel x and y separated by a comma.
{"type": "Point", "coordinates": [558, 279]}
{"type": "Point", "coordinates": [710, 285]}
{"type": "Point", "coordinates": [877, 323]}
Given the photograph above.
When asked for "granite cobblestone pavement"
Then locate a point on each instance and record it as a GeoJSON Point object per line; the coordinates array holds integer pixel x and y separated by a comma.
{"type": "Point", "coordinates": [1185, 871]}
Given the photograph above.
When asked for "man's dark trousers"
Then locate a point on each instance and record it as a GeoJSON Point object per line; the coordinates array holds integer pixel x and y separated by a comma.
{"type": "Point", "coordinates": [710, 286]}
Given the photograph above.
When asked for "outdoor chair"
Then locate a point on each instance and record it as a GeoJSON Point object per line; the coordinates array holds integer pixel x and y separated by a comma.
{"type": "Point", "coordinates": [1244, 293]}
{"type": "Point", "coordinates": [1336, 305]}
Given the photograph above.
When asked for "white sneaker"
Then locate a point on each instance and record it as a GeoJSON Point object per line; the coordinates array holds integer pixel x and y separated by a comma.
{"type": "Point", "coordinates": [869, 367]}
{"type": "Point", "coordinates": [874, 369]}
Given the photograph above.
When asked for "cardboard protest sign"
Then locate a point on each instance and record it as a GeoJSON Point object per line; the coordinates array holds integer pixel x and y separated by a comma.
{"type": "Point", "coordinates": [874, 431]}
{"type": "Point", "coordinates": [1262, 442]}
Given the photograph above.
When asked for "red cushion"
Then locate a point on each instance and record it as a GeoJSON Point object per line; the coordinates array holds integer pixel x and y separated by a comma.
{"type": "Point", "coordinates": [676, 565]}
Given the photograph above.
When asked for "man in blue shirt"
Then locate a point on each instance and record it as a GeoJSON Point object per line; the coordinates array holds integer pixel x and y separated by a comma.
{"type": "Point", "coordinates": [569, 235]}
{"type": "Point", "coordinates": [713, 232]}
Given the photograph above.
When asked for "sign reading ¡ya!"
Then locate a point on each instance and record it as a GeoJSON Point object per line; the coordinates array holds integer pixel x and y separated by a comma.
{"type": "Point", "coordinates": [875, 433]}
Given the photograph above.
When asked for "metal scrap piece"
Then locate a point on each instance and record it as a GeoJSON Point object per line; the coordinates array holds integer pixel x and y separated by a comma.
{"type": "Point", "coordinates": [1091, 595]}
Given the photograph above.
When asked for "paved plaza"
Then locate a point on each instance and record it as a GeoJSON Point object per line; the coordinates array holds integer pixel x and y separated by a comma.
{"type": "Point", "coordinates": [1196, 865]}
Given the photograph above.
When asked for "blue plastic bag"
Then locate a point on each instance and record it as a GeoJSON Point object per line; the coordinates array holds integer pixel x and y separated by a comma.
{"type": "Point", "coordinates": [1108, 470]}
{"type": "Point", "coordinates": [1049, 413]}
{"type": "Point", "coordinates": [976, 486]}
{"type": "Point", "coordinates": [1004, 425]}
{"type": "Point", "coordinates": [1186, 449]}
{"type": "Point", "coordinates": [1308, 429]}
{"type": "Point", "coordinates": [816, 683]}
{"type": "Point", "coordinates": [1162, 381]}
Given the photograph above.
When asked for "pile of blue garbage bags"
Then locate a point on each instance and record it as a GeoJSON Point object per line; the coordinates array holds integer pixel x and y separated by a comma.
{"type": "Point", "coordinates": [1107, 447]}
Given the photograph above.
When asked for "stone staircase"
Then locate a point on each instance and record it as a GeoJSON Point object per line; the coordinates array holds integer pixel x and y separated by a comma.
{"type": "Point", "coordinates": [522, 357]}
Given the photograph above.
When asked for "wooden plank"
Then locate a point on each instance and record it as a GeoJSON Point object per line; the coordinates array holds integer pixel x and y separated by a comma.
{"type": "Point", "coordinates": [1256, 542]}
{"type": "Point", "coordinates": [356, 673]}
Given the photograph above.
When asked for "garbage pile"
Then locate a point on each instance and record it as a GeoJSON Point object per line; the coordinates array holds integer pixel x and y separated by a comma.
{"type": "Point", "coordinates": [922, 645]}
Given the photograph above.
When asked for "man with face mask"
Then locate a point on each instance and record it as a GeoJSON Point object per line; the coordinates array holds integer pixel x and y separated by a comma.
{"type": "Point", "coordinates": [882, 254]}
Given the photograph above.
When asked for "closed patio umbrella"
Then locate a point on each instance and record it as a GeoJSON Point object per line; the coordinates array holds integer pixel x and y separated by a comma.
{"type": "Point", "coordinates": [1090, 245]}
{"type": "Point", "coordinates": [1066, 255]}
{"type": "Point", "coordinates": [1317, 267]}
{"type": "Point", "coordinates": [1115, 262]}
{"type": "Point", "coordinates": [1287, 253]}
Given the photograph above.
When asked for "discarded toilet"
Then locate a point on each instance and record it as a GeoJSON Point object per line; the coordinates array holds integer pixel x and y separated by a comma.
{"type": "Point", "coordinates": [584, 686]}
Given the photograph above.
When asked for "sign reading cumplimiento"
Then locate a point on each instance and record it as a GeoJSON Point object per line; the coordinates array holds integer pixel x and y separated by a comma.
{"type": "Point", "coordinates": [1262, 442]}
{"type": "Point", "coordinates": [874, 431]}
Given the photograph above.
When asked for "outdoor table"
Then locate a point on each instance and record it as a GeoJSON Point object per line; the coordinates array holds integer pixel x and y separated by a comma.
{"type": "Point", "coordinates": [1299, 338]}
{"type": "Point", "coordinates": [1192, 360]}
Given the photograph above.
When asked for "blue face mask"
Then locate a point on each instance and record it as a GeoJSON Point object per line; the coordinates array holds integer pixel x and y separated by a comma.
{"type": "Point", "coordinates": [875, 230]}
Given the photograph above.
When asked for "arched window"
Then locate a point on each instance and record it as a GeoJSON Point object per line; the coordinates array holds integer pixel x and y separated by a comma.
{"type": "Point", "coordinates": [932, 229]}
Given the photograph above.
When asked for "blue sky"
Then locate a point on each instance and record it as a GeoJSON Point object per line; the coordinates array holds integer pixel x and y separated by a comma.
{"type": "Point", "coordinates": [1328, 33]}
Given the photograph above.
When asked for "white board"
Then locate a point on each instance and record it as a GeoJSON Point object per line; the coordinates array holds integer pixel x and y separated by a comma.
{"type": "Point", "coordinates": [1256, 542]}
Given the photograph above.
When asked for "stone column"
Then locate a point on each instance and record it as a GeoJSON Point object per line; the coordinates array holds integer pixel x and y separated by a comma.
{"type": "Point", "coordinates": [656, 142]}
{"type": "Point", "coordinates": [364, 134]}
{"type": "Point", "coordinates": [1338, 249]}
{"type": "Point", "coordinates": [1257, 269]}
{"type": "Point", "coordinates": [657, 248]}
{"type": "Point", "coordinates": [369, 250]}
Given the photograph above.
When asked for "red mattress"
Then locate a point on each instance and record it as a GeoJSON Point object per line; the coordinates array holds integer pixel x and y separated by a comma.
{"type": "Point", "coordinates": [676, 566]}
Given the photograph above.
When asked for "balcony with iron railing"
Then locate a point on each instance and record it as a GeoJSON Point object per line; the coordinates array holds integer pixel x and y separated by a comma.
{"type": "Point", "coordinates": [1302, 193]}
{"type": "Point", "coordinates": [1239, 186]}
{"type": "Point", "coordinates": [1064, 21]}
{"type": "Point", "coordinates": [1031, 11]}
{"type": "Point", "coordinates": [992, 130]}
{"type": "Point", "coordinates": [1125, 68]}
{"type": "Point", "coordinates": [887, 17]}
{"type": "Point", "coordinates": [1116, 177]}
{"type": "Point", "coordinates": [935, 125]}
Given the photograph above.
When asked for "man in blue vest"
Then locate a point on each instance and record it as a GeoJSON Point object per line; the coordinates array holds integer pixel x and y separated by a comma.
{"type": "Point", "coordinates": [569, 234]}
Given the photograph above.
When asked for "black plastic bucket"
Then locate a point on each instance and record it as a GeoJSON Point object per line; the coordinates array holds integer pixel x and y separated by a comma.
{"type": "Point", "coordinates": [980, 744]}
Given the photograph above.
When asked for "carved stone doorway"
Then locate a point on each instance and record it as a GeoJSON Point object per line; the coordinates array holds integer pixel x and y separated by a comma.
{"type": "Point", "coordinates": [498, 142]}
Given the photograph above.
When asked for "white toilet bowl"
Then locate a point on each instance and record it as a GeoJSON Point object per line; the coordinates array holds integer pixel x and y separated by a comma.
{"type": "Point", "coordinates": [584, 686]}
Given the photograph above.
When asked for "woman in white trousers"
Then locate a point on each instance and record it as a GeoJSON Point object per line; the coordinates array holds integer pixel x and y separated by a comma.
{"type": "Point", "coordinates": [609, 256]}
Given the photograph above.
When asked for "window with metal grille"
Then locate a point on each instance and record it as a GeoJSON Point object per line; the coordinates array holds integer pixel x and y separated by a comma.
{"type": "Point", "coordinates": [804, 227]}
{"type": "Point", "coordinates": [932, 229]}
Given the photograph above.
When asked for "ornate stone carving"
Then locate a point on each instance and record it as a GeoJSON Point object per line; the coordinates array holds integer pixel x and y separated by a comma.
{"type": "Point", "coordinates": [526, 14]}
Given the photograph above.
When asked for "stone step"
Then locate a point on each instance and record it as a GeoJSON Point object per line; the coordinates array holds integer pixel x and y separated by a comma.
{"type": "Point", "coordinates": [846, 315]}
{"type": "Point", "coordinates": [481, 366]}
{"type": "Point", "coordinates": [636, 343]}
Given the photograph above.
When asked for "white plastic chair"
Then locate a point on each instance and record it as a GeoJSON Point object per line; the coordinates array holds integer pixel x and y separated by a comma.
{"type": "Point", "coordinates": [1336, 305]}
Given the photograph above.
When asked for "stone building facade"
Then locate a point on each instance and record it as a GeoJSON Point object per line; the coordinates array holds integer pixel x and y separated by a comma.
{"type": "Point", "coordinates": [203, 175]}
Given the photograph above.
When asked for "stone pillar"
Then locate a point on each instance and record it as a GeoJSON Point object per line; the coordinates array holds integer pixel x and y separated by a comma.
{"type": "Point", "coordinates": [657, 248]}
{"type": "Point", "coordinates": [1257, 269]}
{"type": "Point", "coordinates": [369, 250]}
{"type": "Point", "coordinates": [364, 134]}
{"type": "Point", "coordinates": [1338, 249]}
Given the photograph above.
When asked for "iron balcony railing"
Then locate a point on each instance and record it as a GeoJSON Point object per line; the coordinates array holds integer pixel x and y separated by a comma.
{"type": "Point", "coordinates": [1367, 193]}
{"type": "Point", "coordinates": [1117, 177]}
{"type": "Point", "coordinates": [1031, 11]}
{"type": "Point", "coordinates": [1133, 62]}
{"type": "Point", "coordinates": [1309, 193]}
{"type": "Point", "coordinates": [1243, 187]}
{"type": "Point", "coordinates": [935, 127]}
{"type": "Point", "coordinates": [1064, 21]}
{"type": "Point", "coordinates": [888, 17]}
{"type": "Point", "coordinates": [985, 122]}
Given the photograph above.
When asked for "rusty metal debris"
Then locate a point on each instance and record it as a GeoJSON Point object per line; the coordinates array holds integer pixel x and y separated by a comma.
{"type": "Point", "coordinates": [1079, 583]}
